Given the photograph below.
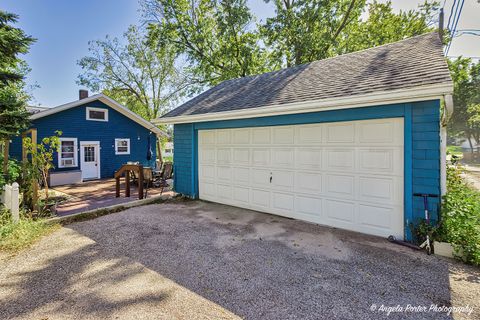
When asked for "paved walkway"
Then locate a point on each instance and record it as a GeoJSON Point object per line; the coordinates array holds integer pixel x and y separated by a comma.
{"type": "Point", "coordinates": [472, 175]}
{"type": "Point", "coordinates": [98, 194]}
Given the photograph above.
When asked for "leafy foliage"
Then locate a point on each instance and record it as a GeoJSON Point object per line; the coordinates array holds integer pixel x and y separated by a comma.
{"type": "Point", "coordinates": [465, 121]}
{"type": "Point", "coordinates": [304, 30]}
{"type": "Point", "coordinates": [142, 74]}
{"type": "Point", "coordinates": [216, 37]}
{"type": "Point", "coordinates": [460, 220]}
{"type": "Point", "coordinates": [41, 158]}
{"type": "Point", "coordinates": [14, 170]}
{"type": "Point", "coordinates": [13, 42]}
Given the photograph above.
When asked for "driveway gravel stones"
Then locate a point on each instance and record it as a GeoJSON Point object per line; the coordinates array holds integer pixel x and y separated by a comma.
{"type": "Point", "coordinates": [199, 260]}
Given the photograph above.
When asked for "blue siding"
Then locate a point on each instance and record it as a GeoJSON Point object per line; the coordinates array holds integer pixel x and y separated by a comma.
{"type": "Point", "coordinates": [73, 124]}
{"type": "Point", "coordinates": [422, 147]}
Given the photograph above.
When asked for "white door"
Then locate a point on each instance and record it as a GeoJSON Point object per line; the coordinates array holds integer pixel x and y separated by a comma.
{"type": "Point", "coordinates": [90, 159]}
{"type": "Point", "coordinates": [343, 174]}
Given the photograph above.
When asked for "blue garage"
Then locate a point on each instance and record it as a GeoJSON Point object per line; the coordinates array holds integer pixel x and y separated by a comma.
{"type": "Point", "coordinates": [344, 142]}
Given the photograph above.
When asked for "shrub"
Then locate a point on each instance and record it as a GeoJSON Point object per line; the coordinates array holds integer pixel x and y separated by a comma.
{"type": "Point", "coordinates": [460, 216]}
{"type": "Point", "coordinates": [13, 173]}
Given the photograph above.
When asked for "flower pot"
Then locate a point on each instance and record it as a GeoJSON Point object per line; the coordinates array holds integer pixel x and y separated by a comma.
{"type": "Point", "coordinates": [443, 249]}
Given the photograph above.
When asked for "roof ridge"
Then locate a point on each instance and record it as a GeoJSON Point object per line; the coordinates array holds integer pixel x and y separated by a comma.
{"type": "Point", "coordinates": [329, 58]}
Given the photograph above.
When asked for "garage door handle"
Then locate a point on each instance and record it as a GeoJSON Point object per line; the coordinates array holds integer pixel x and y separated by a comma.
{"type": "Point", "coordinates": [270, 179]}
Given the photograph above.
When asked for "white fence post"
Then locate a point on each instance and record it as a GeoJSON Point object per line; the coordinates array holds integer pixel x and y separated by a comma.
{"type": "Point", "coordinates": [15, 202]}
{"type": "Point", "coordinates": [11, 200]}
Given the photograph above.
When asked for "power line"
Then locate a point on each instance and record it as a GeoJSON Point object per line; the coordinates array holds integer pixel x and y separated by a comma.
{"type": "Point", "coordinates": [455, 24]}
{"type": "Point", "coordinates": [451, 13]}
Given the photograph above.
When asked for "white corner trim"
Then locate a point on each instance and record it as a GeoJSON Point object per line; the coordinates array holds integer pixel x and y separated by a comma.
{"type": "Point", "coordinates": [449, 104]}
{"type": "Point", "coordinates": [109, 102]}
{"type": "Point", "coordinates": [422, 93]}
{"type": "Point", "coordinates": [88, 109]}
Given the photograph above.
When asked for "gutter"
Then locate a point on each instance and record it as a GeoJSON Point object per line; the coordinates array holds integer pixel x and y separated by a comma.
{"type": "Point", "coordinates": [422, 93]}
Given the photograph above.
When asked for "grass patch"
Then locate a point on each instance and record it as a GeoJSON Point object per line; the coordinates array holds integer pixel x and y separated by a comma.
{"type": "Point", "coordinates": [455, 150]}
{"type": "Point", "coordinates": [18, 236]}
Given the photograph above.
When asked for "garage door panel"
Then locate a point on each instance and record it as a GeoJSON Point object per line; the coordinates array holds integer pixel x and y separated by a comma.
{"type": "Point", "coordinates": [340, 186]}
{"type": "Point", "coordinates": [224, 192]}
{"type": "Point", "coordinates": [340, 212]}
{"type": "Point", "coordinates": [241, 156]}
{"type": "Point", "coordinates": [207, 172]}
{"type": "Point", "coordinates": [261, 178]}
{"type": "Point", "coordinates": [260, 198]}
{"type": "Point", "coordinates": [283, 135]}
{"type": "Point", "coordinates": [284, 202]}
{"type": "Point", "coordinates": [224, 155]}
{"type": "Point", "coordinates": [309, 134]}
{"type": "Point", "coordinates": [343, 132]}
{"type": "Point", "coordinates": [224, 137]}
{"type": "Point", "coordinates": [340, 160]}
{"type": "Point", "coordinates": [283, 179]}
{"type": "Point", "coordinates": [208, 138]}
{"type": "Point", "coordinates": [308, 158]}
{"type": "Point", "coordinates": [283, 157]}
{"type": "Point", "coordinates": [261, 157]}
{"type": "Point", "coordinates": [207, 155]}
{"type": "Point", "coordinates": [382, 132]}
{"type": "Point", "coordinates": [224, 174]}
{"type": "Point", "coordinates": [344, 174]}
{"type": "Point", "coordinates": [261, 136]}
{"type": "Point", "coordinates": [241, 136]}
{"type": "Point", "coordinates": [377, 189]}
{"type": "Point", "coordinates": [308, 182]}
{"type": "Point", "coordinates": [208, 189]}
{"type": "Point", "coordinates": [373, 216]}
{"type": "Point", "coordinates": [309, 205]}
{"type": "Point", "coordinates": [241, 176]}
{"type": "Point", "coordinates": [241, 195]}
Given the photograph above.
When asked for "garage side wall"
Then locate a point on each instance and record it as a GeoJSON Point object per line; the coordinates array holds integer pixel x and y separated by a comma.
{"type": "Point", "coordinates": [422, 148]}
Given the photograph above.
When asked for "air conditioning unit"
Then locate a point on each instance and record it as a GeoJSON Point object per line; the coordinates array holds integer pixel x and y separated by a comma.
{"type": "Point", "coordinates": [68, 162]}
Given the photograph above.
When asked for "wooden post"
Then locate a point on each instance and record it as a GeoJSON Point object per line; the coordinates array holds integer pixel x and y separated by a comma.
{"type": "Point", "coordinates": [140, 182]}
{"type": "Point", "coordinates": [15, 203]}
{"type": "Point", "coordinates": [127, 183]}
{"type": "Point", "coordinates": [117, 187]}
{"type": "Point", "coordinates": [6, 148]}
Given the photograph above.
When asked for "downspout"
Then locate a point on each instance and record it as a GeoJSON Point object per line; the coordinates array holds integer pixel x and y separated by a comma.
{"type": "Point", "coordinates": [446, 114]}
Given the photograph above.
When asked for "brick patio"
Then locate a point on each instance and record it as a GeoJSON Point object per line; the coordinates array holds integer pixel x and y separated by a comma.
{"type": "Point", "coordinates": [99, 194]}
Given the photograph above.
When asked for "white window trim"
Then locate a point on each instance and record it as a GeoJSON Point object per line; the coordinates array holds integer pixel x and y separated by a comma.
{"type": "Point", "coordinates": [97, 109]}
{"type": "Point", "coordinates": [116, 146]}
{"type": "Point", "coordinates": [75, 153]}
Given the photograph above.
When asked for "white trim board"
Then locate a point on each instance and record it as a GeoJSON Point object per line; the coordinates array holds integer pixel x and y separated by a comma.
{"type": "Point", "coordinates": [109, 102]}
{"type": "Point", "coordinates": [422, 93]}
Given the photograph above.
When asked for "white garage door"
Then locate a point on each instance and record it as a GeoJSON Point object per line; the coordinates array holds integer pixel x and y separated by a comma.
{"type": "Point", "coordinates": [342, 174]}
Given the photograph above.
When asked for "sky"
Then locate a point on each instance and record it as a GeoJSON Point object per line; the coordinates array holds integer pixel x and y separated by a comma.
{"type": "Point", "coordinates": [63, 29]}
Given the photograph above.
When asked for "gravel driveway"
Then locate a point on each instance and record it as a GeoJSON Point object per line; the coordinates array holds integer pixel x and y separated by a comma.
{"type": "Point", "coordinates": [197, 260]}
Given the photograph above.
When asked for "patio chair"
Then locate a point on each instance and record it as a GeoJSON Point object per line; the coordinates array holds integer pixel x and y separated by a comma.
{"type": "Point", "coordinates": [166, 174]}
{"type": "Point", "coordinates": [147, 179]}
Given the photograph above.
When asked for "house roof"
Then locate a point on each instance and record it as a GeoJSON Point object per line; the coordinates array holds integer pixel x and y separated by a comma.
{"type": "Point", "coordinates": [36, 109]}
{"type": "Point", "coordinates": [414, 68]}
{"type": "Point", "coordinates": [109, 102]}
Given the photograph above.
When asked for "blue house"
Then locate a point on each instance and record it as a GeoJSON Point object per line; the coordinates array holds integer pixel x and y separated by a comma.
{"type": "Point", "coordinates": [346, 142]}
{"type": "Point", "coordinates": [98, 136]}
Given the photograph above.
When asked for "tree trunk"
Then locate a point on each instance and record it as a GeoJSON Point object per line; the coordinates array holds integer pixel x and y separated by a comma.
{"type": "Point", "coordinates": [470, 143]}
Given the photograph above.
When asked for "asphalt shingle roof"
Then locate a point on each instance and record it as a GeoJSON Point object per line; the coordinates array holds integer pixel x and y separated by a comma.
{"type": "Point", "coordinates": [409, 63]}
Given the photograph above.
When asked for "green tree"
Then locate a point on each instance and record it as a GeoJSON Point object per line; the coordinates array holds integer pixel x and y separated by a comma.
{"type": "Point", "coordinates": [217, 37]}
{"type": "Point", "coordinates": [465, 120]}
{"type": "Point", "coordinates": [307, 30]}
{"type": "Point", "coordinates": [13, 113]}
{"type": "Point", "coordinates": [142, 74]}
